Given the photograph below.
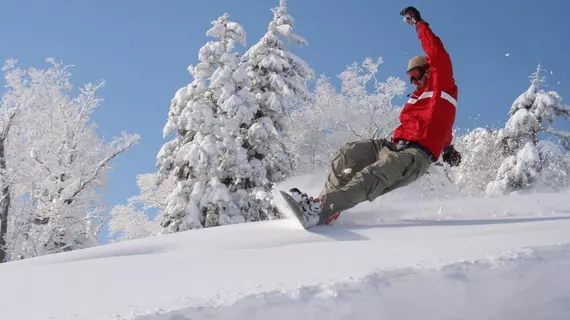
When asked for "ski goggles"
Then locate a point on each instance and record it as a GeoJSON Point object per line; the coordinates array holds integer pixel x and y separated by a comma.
{"type": "Point", "coordinates": [417, 73]}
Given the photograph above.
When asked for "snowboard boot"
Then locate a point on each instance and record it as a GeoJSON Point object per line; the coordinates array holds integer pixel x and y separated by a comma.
{"type": "Point", "coordinates": [311, 209]}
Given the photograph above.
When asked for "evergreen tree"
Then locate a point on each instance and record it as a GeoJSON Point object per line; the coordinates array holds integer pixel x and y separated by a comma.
{"type": "Point", "coordinates": [218, 181]}
{"type": "Point", "coordinates": [278, 78]}
{"type": "Point", "coordinates": [527, 155]}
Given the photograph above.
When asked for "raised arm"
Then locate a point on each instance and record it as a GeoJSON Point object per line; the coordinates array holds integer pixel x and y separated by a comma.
{"type": "Point", "coordinates": [441, 68]}
{"type": "Point", "coordinates": [438, 58]}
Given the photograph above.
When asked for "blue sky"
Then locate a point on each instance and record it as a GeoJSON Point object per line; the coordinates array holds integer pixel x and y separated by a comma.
{"type": "Point", "coordinates": [142, 49]}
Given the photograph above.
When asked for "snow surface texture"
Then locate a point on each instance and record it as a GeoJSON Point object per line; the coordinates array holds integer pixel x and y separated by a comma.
{"type": "Point", "coordinates": [395, 258]}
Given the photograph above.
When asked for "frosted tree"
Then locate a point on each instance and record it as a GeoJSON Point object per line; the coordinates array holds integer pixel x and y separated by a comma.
{"type": "Point", "coordinates": [336, 117]}
{"type": "Point", "coordinates": [309, 128]}
{"type": "Point", "coordinates": [527, 157]}
{"type": "Point", "coordinates": [278, 79]}
{"type": "Point", "coordinates": [9, 107]}
{"type": "Point", "coordinates": [219, 180]}
{"type": "Point", "coordinates": [142, 214]}
{"type": "Point", "coordinates": [480, 160]}
{"type": "Point", "coordinates": [368, 115]}
{"type": "Point", "coordinates": [554, 175]}
{"type": "Point", "coordinates": [56, 162]}
{"type": "Point", "coordinates": [436, 184]}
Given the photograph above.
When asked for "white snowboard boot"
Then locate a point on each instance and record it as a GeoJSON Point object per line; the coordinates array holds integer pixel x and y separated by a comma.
{"type": "Point", "coordinates": [310, 208]}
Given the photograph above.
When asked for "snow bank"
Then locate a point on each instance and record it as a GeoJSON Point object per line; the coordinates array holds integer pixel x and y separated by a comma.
{"type": "Point", "coordinates": [273, 270]}
{"type": "Point", "coordinates": [396, 258]}
{"type": "Point", "coordinates": [531, 284]}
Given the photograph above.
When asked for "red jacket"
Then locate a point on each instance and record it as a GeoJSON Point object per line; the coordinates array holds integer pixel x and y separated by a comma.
{"type": "Point", "coordinates": [428, 116]}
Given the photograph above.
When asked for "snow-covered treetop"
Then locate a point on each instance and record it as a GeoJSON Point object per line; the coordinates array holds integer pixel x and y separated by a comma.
{"type": "Point", "coordinates": [535, 108]}
{"type": "Point", "coordinates": [276, 73]}
{"type": "Point", "coordinates": [283, 23]}
{"type": "Point", "coordinates": [195, 95]}
{"type": "Point", "coordinates": [544, 105]}
{"type": "Point", "coordinates": [525, 100]}
{"type": "Point", "coordinates": [229, 33]}
{"type": "Point", "coordinates": [227, 30]}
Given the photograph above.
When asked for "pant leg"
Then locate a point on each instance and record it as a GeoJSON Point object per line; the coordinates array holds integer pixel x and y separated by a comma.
{"type": "Point", "coordinates": [392, 170]}
{"type": "Point", "coordinates": [349, 160]}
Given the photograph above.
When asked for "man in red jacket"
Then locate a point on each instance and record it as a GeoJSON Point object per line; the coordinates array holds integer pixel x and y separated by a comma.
{"type": "Point", "coordinates": [366, 169]}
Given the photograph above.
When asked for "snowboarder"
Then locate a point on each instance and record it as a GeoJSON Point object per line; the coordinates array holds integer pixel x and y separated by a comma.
{"type": "Point", "coordinates": [364, 170]}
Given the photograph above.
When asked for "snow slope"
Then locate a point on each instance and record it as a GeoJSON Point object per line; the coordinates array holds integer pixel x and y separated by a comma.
{"type": "Point", "coordinates": [445, 259]}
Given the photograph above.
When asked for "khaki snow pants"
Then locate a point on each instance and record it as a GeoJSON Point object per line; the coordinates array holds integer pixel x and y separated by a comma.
{"type": "Point", "coordinates": [364, 170]}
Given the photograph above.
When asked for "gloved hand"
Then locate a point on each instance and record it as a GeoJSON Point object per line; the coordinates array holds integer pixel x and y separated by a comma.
{"type": "Point", "coordinates": [451, 156]}
{"type": "Point", "coordinates": [413, 15]}
{"type": "Point", "coordinates": [389, 144]}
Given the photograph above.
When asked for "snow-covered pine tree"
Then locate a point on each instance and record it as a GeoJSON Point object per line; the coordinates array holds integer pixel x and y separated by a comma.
{"type": "Point", "coordinates": [277, 76]}
{"type": "Point", "coordinates": [528, 156]}
{"type": "Point", "coordinates": [218, 181]}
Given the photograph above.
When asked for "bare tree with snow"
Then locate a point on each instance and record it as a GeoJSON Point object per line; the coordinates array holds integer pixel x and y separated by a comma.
{"type": "Point", "coordinates": [368, 115]}
{"type": "Point", "coordinates": [9, 107]}
{"type": "Point", "coordinates": [351, 113]}
{"type": "Point", "coordinates": [55, 162]}
{"type": "Point", "coordinates": [310, 128]}
{"type": "Point", "coordinates": [528, 156]}
{"type": "Point", "coordinates": [142, 214]}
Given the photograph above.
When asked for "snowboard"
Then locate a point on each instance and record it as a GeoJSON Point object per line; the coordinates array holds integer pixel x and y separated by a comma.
{"type": "Point", "coordinates": [293, 207]}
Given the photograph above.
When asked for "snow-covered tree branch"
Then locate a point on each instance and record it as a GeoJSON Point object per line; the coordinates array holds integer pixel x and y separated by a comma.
{"type": "Point", "coordinates": [56, 162]}
{"type": "Point", "coordinates": [142, 214]}
{"type": "Point", "coordinates": [9, 107]}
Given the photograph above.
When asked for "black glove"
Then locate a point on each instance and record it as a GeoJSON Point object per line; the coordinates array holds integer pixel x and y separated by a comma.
{"type": "Point", "coordinates": [451, 156]}
{"type": "Point", "coordinates": [389, 144]}
{"type": "Point", "coordinates": [413, 15]}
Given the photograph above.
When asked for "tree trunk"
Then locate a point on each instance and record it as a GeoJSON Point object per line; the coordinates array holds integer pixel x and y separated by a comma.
{"type": "Point", "coordinates": [4, 202]}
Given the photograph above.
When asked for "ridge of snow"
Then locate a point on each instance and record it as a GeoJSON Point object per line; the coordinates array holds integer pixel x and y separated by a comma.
{"type": "Point", "coordinates": [470, 258]}
{"type": "Point", "coordinates": [498, 283]}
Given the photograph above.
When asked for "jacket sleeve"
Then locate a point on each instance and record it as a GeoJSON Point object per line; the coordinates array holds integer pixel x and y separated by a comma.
{"type": "Point", "coordinates": [438, 58]}
{"type": "Point", "coordinates": [448, 141]}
